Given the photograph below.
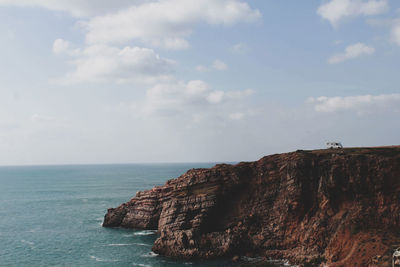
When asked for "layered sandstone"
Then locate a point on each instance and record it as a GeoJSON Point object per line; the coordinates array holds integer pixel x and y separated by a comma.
{"type": "Point", "coordinates": [335, 207]}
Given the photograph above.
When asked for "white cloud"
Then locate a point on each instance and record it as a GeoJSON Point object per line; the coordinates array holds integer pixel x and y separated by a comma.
{"type": "Point", "coordinates": [102, 63]}
{"type": "Point", "coordinates": [61, 46]}
{"type": "Point", "coordinates": [219, 65]}
{"type": "Point", "coordinates": [239, 48]}
{"type": "Point", "coordinates": [240, 94]}
{"type": "Point", "coordinates": [215, 97]}
{"type": "Point", "coordinates": [396, 32]}
{"type": "Point", "coordinates": [167, 98]}
{"type": "Point", "coordinates": [77, 8]}
{"type": "Point", "coordinates": [360, 104]}
{"type": "Point", "coordinates": [337, 10]}
{"type": "Point", "coordinates": [166, 23]}
{"type": "Point", "coordinates": [236, 116]}
{"type": "Point", "coordinates": [216, 65]}
{"type": "Point", "coordinates": [190, 99]}
{"type": "Point", "coordinates": [393, 24]}
{"type": "Point", "coordinates": [351, 52]}
{"type": "Point", "coordinates": [202, 68]}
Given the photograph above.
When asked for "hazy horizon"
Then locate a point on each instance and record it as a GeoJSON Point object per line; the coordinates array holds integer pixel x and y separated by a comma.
{"type": "Point", "coordinates": [183, 81]}
{"type": "Point", "coordinates": [171, 162]}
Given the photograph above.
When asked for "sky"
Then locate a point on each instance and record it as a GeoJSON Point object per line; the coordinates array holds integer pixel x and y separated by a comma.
{"type": "Point", "coordinates": [142, 81]}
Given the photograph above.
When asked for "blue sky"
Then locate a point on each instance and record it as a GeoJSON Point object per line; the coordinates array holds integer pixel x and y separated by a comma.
{"type": "Point", "coordinates": [183, 80]}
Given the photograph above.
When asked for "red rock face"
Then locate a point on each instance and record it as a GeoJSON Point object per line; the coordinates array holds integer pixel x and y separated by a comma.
{"type": "Point", "coordinates": [337, 206]}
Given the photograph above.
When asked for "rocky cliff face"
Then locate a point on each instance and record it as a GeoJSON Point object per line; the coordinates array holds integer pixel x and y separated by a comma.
{"type": "Point", "coordinates": [338, 207]}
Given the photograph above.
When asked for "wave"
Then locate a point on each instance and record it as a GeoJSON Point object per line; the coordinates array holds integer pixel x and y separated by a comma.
{"type": "Point", "coordinates": [146, 232]}
{"type": "Point", "coordinates": [102, 260]}
{"type": "Point", "coordinates": [141, 264]}
{"type": "Point", "coordinates": [128, 235]}
{"type": "Point", "coordinates": [128, 244]}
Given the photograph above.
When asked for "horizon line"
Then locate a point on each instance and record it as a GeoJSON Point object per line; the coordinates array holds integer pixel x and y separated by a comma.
{"type": "Point", "coordinates": [185, 162]}
{"type": "Point", "coordinates": [124, 163]}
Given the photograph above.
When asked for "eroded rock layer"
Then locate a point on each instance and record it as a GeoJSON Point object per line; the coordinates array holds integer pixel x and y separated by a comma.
{"type": "Point", "coordinates": [340, 207]}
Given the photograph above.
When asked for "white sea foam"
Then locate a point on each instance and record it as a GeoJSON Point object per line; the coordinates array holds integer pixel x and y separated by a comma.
{"type": "Point", "coordinates": [141, 264]}
{"type": "Point", "coordinates": [129, 244]}
{"type": "Point", "coordinates": [151, 254]}
{"type": "Point", "coordinates": [282, 263]}
{"type": "Point", "coordinates": [102, 260]}
{"type": "Point", "coordinates": [27, 242]}
{"type": "Point", "coordinates": [100, 221]}
{"type": "Point", "coordinates": [129, 235]}
{"type": "Point", "coordinates": [146, 232]}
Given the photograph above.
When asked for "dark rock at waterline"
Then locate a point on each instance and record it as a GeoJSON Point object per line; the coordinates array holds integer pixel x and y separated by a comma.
{"type": "Point", "coordinates": [332, 207]}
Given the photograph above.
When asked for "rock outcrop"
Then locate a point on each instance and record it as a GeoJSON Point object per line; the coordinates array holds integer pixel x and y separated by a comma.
{"type": "Point", "coordinates": [338, 207]}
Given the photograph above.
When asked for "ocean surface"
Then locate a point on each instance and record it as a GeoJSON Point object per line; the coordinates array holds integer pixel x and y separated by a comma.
{"type": "Point", "coordinates": [52, 215]}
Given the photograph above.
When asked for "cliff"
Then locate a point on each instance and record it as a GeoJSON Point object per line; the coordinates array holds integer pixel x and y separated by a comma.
{"type": "Point", "coordinates": [336, 207]}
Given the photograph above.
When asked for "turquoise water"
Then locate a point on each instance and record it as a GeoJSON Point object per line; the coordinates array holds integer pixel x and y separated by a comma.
{"type": "Point", "coordinates": [52, 215]}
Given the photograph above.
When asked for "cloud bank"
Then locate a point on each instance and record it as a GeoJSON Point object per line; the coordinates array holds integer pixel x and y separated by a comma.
{"type": "Point", "coordinates": [108, 53]}
{"type": "Point", "coordinates": [192, 98]}
{"type": "Point", "coordinates": [166, 23]}
{"type": "Point", "coordinates": [360, 104]}
{"type": "Point", "coordinates": [103, 63]}
{"type": "Point", "coordinates": [76, 8]}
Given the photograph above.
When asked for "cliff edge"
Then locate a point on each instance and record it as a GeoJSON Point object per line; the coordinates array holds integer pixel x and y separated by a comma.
{"type": "Point", "coordinates": [335, 207]}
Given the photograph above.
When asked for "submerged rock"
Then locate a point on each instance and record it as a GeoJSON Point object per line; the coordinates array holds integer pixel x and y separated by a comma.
{"type": "Point", "coordinates": [328, 207]}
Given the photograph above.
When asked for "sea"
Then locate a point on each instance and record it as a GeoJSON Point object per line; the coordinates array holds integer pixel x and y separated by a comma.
{"type": "Point", "coordinates": [52, 215]}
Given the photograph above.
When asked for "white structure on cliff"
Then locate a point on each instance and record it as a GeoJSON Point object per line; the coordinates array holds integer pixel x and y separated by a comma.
{"type": "Point", "coordinates": [334, 145]}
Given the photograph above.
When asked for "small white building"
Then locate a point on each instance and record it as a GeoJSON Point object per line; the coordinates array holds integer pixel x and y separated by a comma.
{"type": "Point", "coordinates": [335, 145]}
